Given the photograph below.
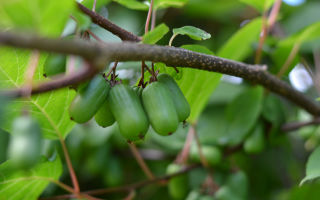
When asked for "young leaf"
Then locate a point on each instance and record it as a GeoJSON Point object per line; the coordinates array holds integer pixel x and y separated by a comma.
{"type": "Point", "coordinates": [241, 115]}
{"type": "Point", "coordinates": [36, 16]}
{"type": "Point", "coordinates": [17, 185]}
{"type": "Point", "coordinates": [49, 108]}
{"type": "Point", "coordinates": [198, 85]}
{"type": "Point", "coordinates": [133, 4]}
{"type": "Point", "coordinates": [239, 46]}
{"type": "Point", "coordinates": [192, 32]}
{"type": "Point", "coordinates": [313, 170]}
{"type": "Point", "coordinates": [155, 35]}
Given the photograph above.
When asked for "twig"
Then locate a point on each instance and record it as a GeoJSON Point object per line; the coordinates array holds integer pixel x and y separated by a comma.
{"type": "Point", "coordinates": [94, 35]}
{"type": "Point", "coordinates": [94, 6]}
{"type": "Point", "coordinates": [32, 66]}
{"type": "Point", "coordinates": [171, 56]}
{"type": "Point", "coordinates": [146, 29]}
{"type": "Point", "coordinates": [140, 161]}
{"type": "Point", "coordinates": [103, 22]}
{"type": "Point", "coordinates": [292, 126]}
{"type": "Point", "coordinates": [154, 17]}
{"type": "Point", "coordinates": [183, 156]}
{"type": "Point", "coordinates": [129, 187]}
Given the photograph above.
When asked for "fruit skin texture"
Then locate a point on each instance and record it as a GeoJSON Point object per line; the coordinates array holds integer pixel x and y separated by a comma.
{"type": "Point", "coordinates": [128, 112]}
{"type": "Point", "coordinates": [104, 116]}
{"type": "Point", "coordinates": [211, 153]}
{"type": "Point", "coordinates": [25, 143]}
{"type": "Point", "coordinates": [160, 108]}
{"type": "Point", "coordinates": [178, 185]}
{"type": "Point", "coordinates": [55, 64]}
{"type": "Point", "coordinates": [85, 105]}
{"type": "Point", "coordinates": [180, 102]}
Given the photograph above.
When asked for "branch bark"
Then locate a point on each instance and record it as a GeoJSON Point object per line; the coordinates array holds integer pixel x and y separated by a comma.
{"type": "Point", "coordinates": [171, 56]}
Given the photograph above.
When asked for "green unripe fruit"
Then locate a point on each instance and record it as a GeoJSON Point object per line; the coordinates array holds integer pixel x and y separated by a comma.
{"type": "Point", "coordinates": [85, 105]}
{"type": "Point", "coordinates": [255, 142]}
{"type": "Point", "coordinates": [25, 143]}
{"type": "Point", "coordinates": [178, 185]}
{"type": "Point", "coordinates": [55, 64]}
{"type": "Point", "coordinates": [104, 116]}
{"type": "Point", "coordinates": [127, 110]}
{"type": "Point", "coordinates": [212, 154]}
{"type": "Point", "coordinates": [180, 102]}
{"type": "Point", "coordinates": [160, 108]}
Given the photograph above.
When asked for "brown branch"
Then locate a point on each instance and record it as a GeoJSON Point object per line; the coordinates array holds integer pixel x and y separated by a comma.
{"type": "Point", "coordinates": [171, 56]}
{"type": "Point", "coordinates": [129, 187]}
{"type": "Point", "coordinates": [103, 22]}
{"type": "Point", "coordinates": [292, 126]}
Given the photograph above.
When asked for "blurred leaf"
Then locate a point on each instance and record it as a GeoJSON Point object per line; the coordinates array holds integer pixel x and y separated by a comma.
{"type": "Point", "coordinates": [36, 15]}
{"type": "Point", "coordinates": [313, 169]}
{"type": "Point", "coordinates": [133, 4]}
{"type": "Point", "coordinates": [28, 184]}
{"type": "Point", "coordinates": [43, 107]}
{"type": "Point", "coordinates": [260, 5]}
{"type": "Point", "coordinates": [236, 188]}
{"type": "Point", "coordinates": [192, 32]}
{"type": "Point", "coordinates": [4, 140]}
{"type": "Point", "coordinates": [285, 47]}
{"type": "Point", "coordinates": [155, 35]}
{"type": "Point", "coordinates": [83, 21]}
{"type": "Point", "coordinates": [99, 3]}
{"type": "Point", "coordinates": [256, 141]}
{"type": "Point", "coordinates": [198, 85]}
{"type": "Point", "coordinates": [239, 46]}
{"type": "Point", "coordinates": [309, 192]}
{"type": "Point", "coordinates": [241, 115]}
{"type": "Point", "coordinates": [159, 4]}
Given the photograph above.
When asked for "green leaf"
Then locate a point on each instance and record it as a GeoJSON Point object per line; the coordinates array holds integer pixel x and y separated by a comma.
{"type": "Point", "coordinates": [313, 167]}
{"type": "Point", "coordinates": [285, 47]}
{"type": "Point", "coordinates": [239, 46]}
{"type": "Point", "coordinates": [160, 4]}
{"type": "Point", "coordinates": [192, 32]}
{"type": "Point", "coordinates": [198, 85]}
{"type": "Point", "coordinates": [260, 5]}
{"type": "Point", "coordinates": [133, 4]}
{"type": "Point", "coordinates": [50, 109]}
{"type": "Point", "coordinates": [99, 3]}
{"type": "Point", "coordinates": [16, 185]}
{"type": "Point", "coordinates": [155, 35]}
{"type": "Point", "coordinates": [36, 15]}
{"type": "Point", "coordinates": [241, 115]}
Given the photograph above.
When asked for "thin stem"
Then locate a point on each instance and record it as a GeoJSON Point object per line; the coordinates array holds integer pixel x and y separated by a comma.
{"type": "Point", "coordinates": [94, 35]}
{"type": "Point", "coordinates": [70, 168]}
{"type": "Point", "coordinates": [112, 69]}
{"type": "Point", "coordinates": [140, 161]}
{"type": "Point", "coordinates": [94, 6]}
{"type": "Point", "coordinates": [146, 29]}
{"type": "Point", "coordinates": [171, 39]}
{"type": "Point", "coordinates": [132, 186]}
{"type": "Point", "coordinates": [32, 66]}
{"type": "Point", "coordinates": [292, 126]}
{"type": "Point", "coordinates": [289, 60]}
{"type": "Point", "coordinates": [154, 17]}
{"type": "Point", "coordinates": [183, 156]}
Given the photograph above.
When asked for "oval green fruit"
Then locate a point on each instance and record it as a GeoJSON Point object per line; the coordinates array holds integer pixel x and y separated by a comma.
{"type": "Point", "coordinates": [127, 110]}
{"type": "Point", "coordinates": [178, 185]}
{"type": "Point", "coordinates": [160, 108]}
{"type": "Point", "coordinates": [211, 153]}
{"type": "Point", "coordinates": [180, 102]}
{"type": "Point", "coordinates": [85, 105]}
{"type": "Point", "coordinates": [255, 142]}
{"type": "Point", "coordinates": [25, 142]}
{"type": "Point", "coordinates": [104, 116]}
{"type": "Point", "coordinates": [55, 64]}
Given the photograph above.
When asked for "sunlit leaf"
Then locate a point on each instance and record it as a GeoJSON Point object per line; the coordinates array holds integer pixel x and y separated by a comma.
{"type": "Point", "coordinates": [50, 109]}
{"type": "Point", "coordinates": [36, 15]}
{"type": "Point", "coordinates": [159, 4]}
{"type": "Point", "coordinates": [155, 35]}
{"type": "Point", "coordinates": [16, 185]}
{"type": "Point", "coordinates": [99, 3]}
{"type": "Point", "coordinates": [133, 4]}
{"type": "Point", "coordinates": [260, 5]}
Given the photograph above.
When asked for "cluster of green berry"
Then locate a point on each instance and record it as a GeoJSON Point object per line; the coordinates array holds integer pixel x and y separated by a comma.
{"type": "Point", "coordinates": [161, 103]}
